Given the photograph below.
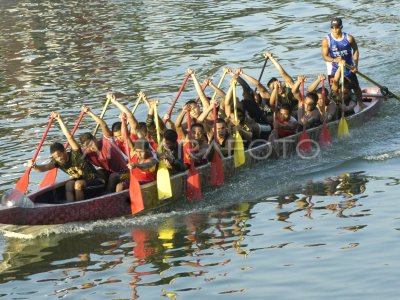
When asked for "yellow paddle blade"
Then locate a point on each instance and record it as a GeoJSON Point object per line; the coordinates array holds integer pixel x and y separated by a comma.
{"type": "Point", "coordinates": [238, 151]}
{"type": "Point", "coordinates": [163, 182]}
{"type": "Point", "coordinates": [343, 129]}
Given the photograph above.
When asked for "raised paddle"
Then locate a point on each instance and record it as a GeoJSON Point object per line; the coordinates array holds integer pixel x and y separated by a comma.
{"type": "Point", "coordinates": [217, 166]}
{"type": "Point", "coordinates": [324, 137]}
{"type": "Point", "coordinates": [304, 139]}
{"type": "Point", "coordinates": [343, 128]}
{"type": "Point", "coordinates": [164, 189]}
{"type": "Point", "coordinates": [262, 71]}
{"type": "Point", "coordinates": [22, 184]}
{"type": "Point", "coordinates": [239, 157]}
{"type": "Point", "coordinates": [135, 191]}
{"type": "Point", "coordinates": [137, 103]}
{"type": "Point", "coordinates": [384, 89]}
{"type": "Point", "coordinates": [193, 188]}
{"type": "Point", "coordinates": [177, 96]}
{"type": "Point", "coordinates": [51, 175]}
{"type": "Point", "coordinates": [102, 114]}
{"type": "Point", "coordinates": [219, 84]}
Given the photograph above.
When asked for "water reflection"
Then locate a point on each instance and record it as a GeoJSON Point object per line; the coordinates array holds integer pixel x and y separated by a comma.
{"type": "Point", "coordinates": [200, 246]}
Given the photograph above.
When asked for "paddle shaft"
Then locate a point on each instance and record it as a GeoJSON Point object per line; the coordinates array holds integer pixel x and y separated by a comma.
{"type": "Point", "coordinates": [219, 85]}
{"type": "Point", "coordinates": [189, 124]}
{"type": "Point", "coordinates": [136, 104]}
{"type": "Point", "coordinates": [262, 71]}
{"type": "Point", "coordinates": [323, 97]}
{"type": "Point", "coordinates": [102, 115]}
{"type": "Point", "coordinates": [177, 95]}
{"type": "Point", "coordinates": [383, 88]}
{"type": "Point", "coordinates": [157, 126]}
{"type": "Point", "coordinates": [22, 183]}
{"type": "Point", "coordinates": [342, 87]}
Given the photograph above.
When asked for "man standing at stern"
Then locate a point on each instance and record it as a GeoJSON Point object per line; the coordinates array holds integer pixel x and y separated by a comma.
{"type": "Point", "coordinates": [337, 46]}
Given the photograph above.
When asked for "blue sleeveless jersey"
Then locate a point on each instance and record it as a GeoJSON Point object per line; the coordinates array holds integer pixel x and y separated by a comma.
{"type": "Point", "coordinates": [341, 48]}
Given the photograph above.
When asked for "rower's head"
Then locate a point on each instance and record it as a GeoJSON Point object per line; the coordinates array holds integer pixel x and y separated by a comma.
{"type": "Point", "coordinates": [116, 130]}
{"type": "Point", "coordinates": [88, 142]}
{"type": "Point", "coordinates": [142, 127]}
{"type": "Point", "coordinates": [285, 112]}
{"type": "Point", "coordinates": [58, 153]}
{"type": "Point", "coordinates": [142, 148]}
{"type": "Point", "coordinates": [336, 26]}
{"type": "Point", "coordinates": [170, 139]}
{"type": "Point", "coordinates": [221, 127]}
{"type": "Point", "coordinates": [194, 108]}
{"type": "Point", "coordinates": [310, 102]}
{"type": "Point", "coordinates": [197, 131]}
{"type": "Point", "coordinates": [320, 98]}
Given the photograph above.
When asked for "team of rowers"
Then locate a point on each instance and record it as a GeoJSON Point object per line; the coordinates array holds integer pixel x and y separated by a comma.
{"type": "Point", "coordinates": [264, 111]}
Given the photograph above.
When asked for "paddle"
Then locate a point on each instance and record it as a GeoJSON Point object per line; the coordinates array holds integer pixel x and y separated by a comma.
{"type": "Point", "coordinates": [304, 139]}
{"type": "Point", "coordinates": [193, 189]}
{"type": "Point", "coordinates": [164, 189]}
{"type": "Point", "coordinates": [219, 84]}
{"type": "Point", "coordinates": [384, 89]}
{"type": "Point", "coordinates": [343, 129]}
{"type": "Point", "coordinates": [22, 184]}
{"type": "Point", "coordinates": [324, 137]}
{"type": "Point", "coordinates": [102, 114]}
{"type": "Point", "coordinates": [262, 71]}
{"type": "Point", "coordinates": [217, 166]}
{"type": "Point", "coordinates": [135, 191]}
{"type": "Point", "coordinates": [177, 96]}
{"type": "Point", "coordinates": [137, 103]}
{"type": "Point", "coordinates": [238, 151]}
{"type": "Point", "coordinates": [51, 175]}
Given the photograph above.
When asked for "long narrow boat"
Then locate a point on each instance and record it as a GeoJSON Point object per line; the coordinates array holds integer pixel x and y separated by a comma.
{"type": "Point", "coordinates": [50, 207]}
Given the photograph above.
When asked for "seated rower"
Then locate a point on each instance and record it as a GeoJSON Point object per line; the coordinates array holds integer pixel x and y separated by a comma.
{"type": "Point", "coordinates": [285, 123]}
{"type": "Point", "coordinates": [171, 152]}
{"type": "Point", "coordinates": [135, 131]}
{"type": "Point", "coordinates": [198, 141]}
{"type": "Point", "coordinates": [224, 140]}
{"type": "Point", "coordinates": [142, 162]}
{"type": "Point", "coordinates": [310, 117]}
{"type": "Point", "coordinates": [285, 94]}
{"type": "Point", "coordinates": [325, 105]}
{"type": "Point", "coordinates": [246, 128]}
{"type": "Point", "coordinates": [104, 153]}
{"type": "Point", "coordinates": [73, 163]}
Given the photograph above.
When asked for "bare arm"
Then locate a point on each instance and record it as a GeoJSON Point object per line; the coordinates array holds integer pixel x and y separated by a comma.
{"type": "Point", "coordinates": [296, 87]}
{"type": "Point", "coordinates": [228, 98]}
{"type": "Point", "coordinates": [356, 53]}
{"type": "Point", "coordinates": [260, 87]}
{"type": "Point", "coordinates": [178, 123]}
{"type": "Point", "coordinates": [313, 86]}
{"type": "Point", "coordinates": [131, 118]}
{"type": "Point", "coordinates": [220, 92]}
{"type": "Point", "coordinates": [74, 145]}
{"type": "Point", "coordinates": [286, 77]}
{"type": "Point", "coordinates": [106, 131]}
{"type": "Point", "coordinates": [124, 133]}
{"type": "Point", "coordinates": [200, 92]}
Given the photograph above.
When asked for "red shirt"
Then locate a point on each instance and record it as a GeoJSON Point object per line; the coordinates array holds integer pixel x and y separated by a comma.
{"type": "Point", "coordinates": [109, 156]}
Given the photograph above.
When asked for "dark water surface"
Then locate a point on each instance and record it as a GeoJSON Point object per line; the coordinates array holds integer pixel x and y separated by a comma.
{"type": "Point", "coordinates": [290, 229]}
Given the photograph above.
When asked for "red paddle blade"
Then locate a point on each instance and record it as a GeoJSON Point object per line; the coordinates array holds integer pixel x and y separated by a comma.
{"type": "Point", "coordinates": [325, 137]}
{"type": "Point", "coordinates": [49, 178]}
{"type": "Point", "coordinates": [217, 170]}
{"type": "Point", "coordinates": [193, 190]}
{"type": "Point", "coordinates": [22, 184]}
{"type": "Point", "coordinates": [304, 145]}
{"type": "Point", "coordinates": [135, 193]}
